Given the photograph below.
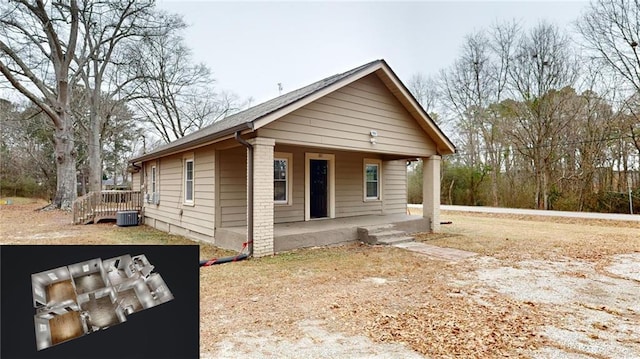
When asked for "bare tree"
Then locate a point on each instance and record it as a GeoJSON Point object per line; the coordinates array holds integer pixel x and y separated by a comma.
{"type": "Point", "coordinates": [37, 45]}
{"type": "Point", "coordinates": [476, 81]}
{"type": "Point", "coordinates": [425, 90]}
{"type": "Point", "coordinates": [611, 29]}
{"type": "Point", "coordinates": [106, 26]}
{"type": "Point", "coordinates": [27, 166]}
{"type": "Point", "coordinates": [175, 95]}
{"type": "Point", "coordinates": [543, 65]}
{"type": "Point", "coordinates": [587, 143]}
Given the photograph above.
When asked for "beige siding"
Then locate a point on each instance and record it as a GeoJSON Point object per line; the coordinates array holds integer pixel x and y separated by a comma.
{"type": "Point", "coordinates": [349, 185]}
{"type": "Point", "coordinates": [394, 184]}
{"type": "Point", "coordinates": [293, 212]}
{"type": "Point", "coordinates": [233, 187]}
{"type": "Point", "coordinates": [135, 181]}
{"type": "Point", "coordinates": [199, 217]}
{"type": "Point", "coordinates": [344, 119]}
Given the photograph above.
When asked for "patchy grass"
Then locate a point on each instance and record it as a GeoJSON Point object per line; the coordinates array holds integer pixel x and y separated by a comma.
{"type": "Point", "coordinates": [19, 201]}
{"type": "Point", "coordinates": [536, 237]}
{"type": "Point", "coordinates": [389, 294]}
{"type": "Point", "coordinates": [55, 227]}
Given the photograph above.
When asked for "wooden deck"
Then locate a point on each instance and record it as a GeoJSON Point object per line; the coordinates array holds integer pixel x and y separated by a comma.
{"type": "Point", "coordinates": [97, 206]}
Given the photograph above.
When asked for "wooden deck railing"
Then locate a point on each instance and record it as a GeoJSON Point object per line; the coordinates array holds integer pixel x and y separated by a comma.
{"type": "Point", "coordinates": [95, 206]}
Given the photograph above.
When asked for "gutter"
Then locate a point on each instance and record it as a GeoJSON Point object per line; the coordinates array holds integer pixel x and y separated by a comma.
{"type": "Point", "coordinates": [188, 145]}
{"type": "Point", "coordinates": [249, 147]}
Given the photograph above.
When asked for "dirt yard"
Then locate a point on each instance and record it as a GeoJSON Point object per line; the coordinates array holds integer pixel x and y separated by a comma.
{"type": "Point", "coordinates": [539, 287]}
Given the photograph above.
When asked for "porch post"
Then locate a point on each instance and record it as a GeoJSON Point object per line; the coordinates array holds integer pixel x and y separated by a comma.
{"type": "Point", "coordinates": [431, 191]}
{"type": "Point", "coordinates": [262, 195]}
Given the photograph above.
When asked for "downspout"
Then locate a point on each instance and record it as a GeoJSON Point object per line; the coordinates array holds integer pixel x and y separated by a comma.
{"type": "Point", "coordinates": [249, 191]}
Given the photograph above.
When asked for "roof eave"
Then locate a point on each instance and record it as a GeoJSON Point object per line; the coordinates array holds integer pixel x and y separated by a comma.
{"type": "Point", "coordinates": [444, 146]}
{"type": "Point", "coordinates": [213, 138]}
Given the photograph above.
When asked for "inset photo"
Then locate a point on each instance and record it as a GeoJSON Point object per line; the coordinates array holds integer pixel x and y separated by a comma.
{"type": "Point", "coordinates": [142, 294]}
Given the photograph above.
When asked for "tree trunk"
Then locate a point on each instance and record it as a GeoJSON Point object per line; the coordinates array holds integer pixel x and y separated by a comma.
{"type": "Point", "coordinates": [450, 191]}
{"type": "Point", "coordinates": [95, 158]}
{"type": "Point", "coordinates": [545, 188]}
{"type": "Point", "coordinates": [65, 163]}
{"type": "Point", "coordinates": [494, 187]}
{"type": "Point", "coordinates": [538, 198]}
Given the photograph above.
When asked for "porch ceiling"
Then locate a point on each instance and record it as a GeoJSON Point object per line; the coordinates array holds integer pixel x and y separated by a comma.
{"type": "Point", "coordinates": [334, 149]}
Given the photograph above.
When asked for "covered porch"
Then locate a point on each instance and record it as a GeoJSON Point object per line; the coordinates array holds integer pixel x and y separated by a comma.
{"type": "Point", "coordinates": [334, 231]}
{"type": "Point", "coordinates": [283, 196]}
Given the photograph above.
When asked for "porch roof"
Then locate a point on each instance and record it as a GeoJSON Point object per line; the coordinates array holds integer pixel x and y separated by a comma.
{"type": "Point", "coordinates": [257, 116]}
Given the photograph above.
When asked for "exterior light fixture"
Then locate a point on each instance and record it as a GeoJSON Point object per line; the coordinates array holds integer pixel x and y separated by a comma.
{"type": "Point", "coordinates": [373, 134]}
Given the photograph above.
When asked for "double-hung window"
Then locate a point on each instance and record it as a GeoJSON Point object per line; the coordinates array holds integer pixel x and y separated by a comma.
{"type": "Point", "coordinates": [188, 181]}
{"type": "Point", "coordinates": [153, 179]}
{"type": "Point", "coordinates": [282, 178]}
{"type": "Point", "coordinates": [372, 172]}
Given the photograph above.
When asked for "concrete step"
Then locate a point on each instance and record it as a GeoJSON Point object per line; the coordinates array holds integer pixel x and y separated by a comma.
{"type": "Point", "coordinates": [378, 227]}
{"type": "Point", "coordinates": [387, 234]}
{"type": "Point", "coordinates": [383, 234]}
{"type": "Point", "coordinates": [395, 240]}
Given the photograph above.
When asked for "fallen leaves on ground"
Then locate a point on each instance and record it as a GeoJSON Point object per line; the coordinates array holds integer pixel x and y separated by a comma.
{"type": "Point", "coordinates": [389, 294]}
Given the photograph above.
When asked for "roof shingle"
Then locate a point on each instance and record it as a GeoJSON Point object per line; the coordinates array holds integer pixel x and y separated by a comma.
{"type": "Point", "coordinates": [244, 119]}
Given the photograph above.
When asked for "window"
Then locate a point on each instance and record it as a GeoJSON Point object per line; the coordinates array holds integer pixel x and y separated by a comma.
{"type": "Point", "coordinates": [43, 327]}
{"type": "Point", "coordinates": [188, 181]}
{"type": "Point", "coordinates": [85, 268]}
{"type": "Point", "coordinates": [282, 178]}
{"type": "Point", "coordinates": [372, 179]}
{"type": "Point", "coordinates": [153, 179]}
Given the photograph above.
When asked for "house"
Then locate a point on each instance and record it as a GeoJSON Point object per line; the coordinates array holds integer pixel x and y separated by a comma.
{"type": "Point", "coordinates": [332, 150]}
{"type": "Point", "coordinates": [82, 298]}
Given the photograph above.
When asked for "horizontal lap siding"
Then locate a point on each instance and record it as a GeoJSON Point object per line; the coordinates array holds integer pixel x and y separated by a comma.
{"type": "Point", "coordinates": [233, 187]}
{"type": "Point", "coordinates": [293, 212]}
{"type": "Point", "coordinates": [197, 218]}
{"type": "Point", "coordinates": [135, 181]}
{"type": "Point", "coordinates": [394, 184]}
{"type": "Point", "coordinates": [350, 186]}
{"type": "Point", "coordinates": [344, 119]}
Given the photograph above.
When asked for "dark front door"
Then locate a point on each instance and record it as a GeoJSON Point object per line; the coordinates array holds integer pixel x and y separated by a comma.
{"type": "Point", "coordinates": [318, 188]}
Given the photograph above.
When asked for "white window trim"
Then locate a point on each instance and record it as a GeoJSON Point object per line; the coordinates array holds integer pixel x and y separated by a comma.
{"type": "Point", "coordinates": [289, 181]}
{"type": "Point", "coordinates": [377, 162]}
{"type": "Point", "coordinates": [332, 180]}
{"type": "Point", "coordinates": [186, 201]}
{"type": "Point", "coordinates": [154, 179]}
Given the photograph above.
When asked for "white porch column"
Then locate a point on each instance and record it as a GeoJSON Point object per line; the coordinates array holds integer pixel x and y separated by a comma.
{"type": "Point", "coordinates": [262, 195]}
{"type": "Point", "coordinates": [431, 191]}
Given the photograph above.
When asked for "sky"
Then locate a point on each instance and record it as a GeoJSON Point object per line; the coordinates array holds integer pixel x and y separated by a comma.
{"type": "Point", "coordinates": [252, 46]}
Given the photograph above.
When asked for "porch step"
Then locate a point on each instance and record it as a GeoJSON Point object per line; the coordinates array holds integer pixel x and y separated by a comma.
{"type": "Point", "coordinates": [383, 234]}
{"type": "Point", "coordinates": [395, 240]}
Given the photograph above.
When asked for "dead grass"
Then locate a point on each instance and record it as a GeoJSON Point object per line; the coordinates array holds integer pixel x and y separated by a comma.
{"type": "Point", "coordinates": [512, 237]}
{"type": "Point", "coordinates": [406, 304]}
{"type": "Point", "coordinates": [23, 223]}
{"type": "Point", "coordinates": [390, 294]}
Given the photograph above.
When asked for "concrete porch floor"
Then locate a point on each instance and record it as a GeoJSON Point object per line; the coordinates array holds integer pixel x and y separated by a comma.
{"type": "Point", "coordinates": [321, 232]}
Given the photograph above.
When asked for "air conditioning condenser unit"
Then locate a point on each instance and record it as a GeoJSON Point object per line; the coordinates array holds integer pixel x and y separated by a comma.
{"type": "Point", "coordinates": [127, 218]}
